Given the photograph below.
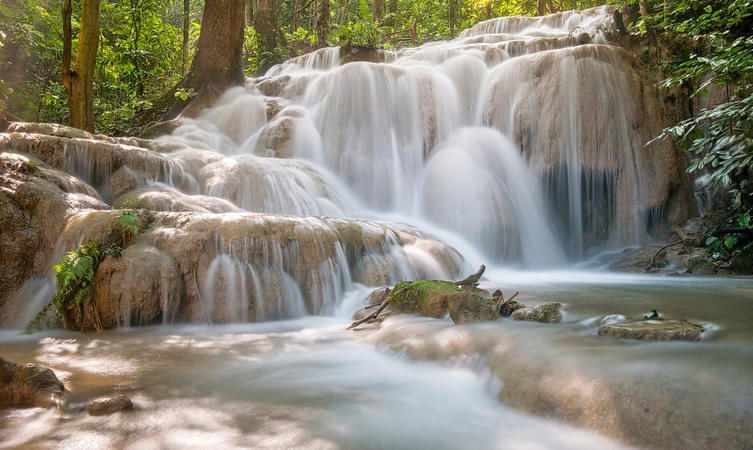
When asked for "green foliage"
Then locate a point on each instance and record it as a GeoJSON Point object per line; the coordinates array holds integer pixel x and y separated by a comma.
{"type": "Point", "coordinates": [128, 203]}
{"type": "Point", "coordinates": [129, 222]}
{"type": "Point", "coordinates": [185, 94]}
{"type": "Point", "coordinates": [724, 248]}
{"type": "Point", "coordinates": [361, 34]}
{"type": "Point", "coordinates": [721, 141]}
{"type": "Point", "coordinates": [75, 272]}
{"type": "Point", "coordinates": [719, 138]}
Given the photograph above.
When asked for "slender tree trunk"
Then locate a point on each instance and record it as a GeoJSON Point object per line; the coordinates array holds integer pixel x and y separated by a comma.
{"type": "Point", "coordinates": [643, 4]}
{"type": "Point", "coordinates": [345, 12]}
{"type": "Point", "coordinates": [296, 15]}
{"type": "Point", "coordinates": [264, 26]}
{"type": "Point", "coordinates": [378, 11]}
{"type": "Point", "coordinates": [489, 9]}
{"type": "Point", "coordinates": [322, 23]}
{"type": "Point", "coordinates": [540, 7]}
{"type": "Point", "coordinates": [186, 25]}
{"type": "Point", "coordinates": [453, 6]}
{"type": "Point", "coordinates": [79, 80]}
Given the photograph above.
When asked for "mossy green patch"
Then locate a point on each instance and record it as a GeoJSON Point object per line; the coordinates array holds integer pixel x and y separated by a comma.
{"type": "Point", "coordinates": [412, 295]}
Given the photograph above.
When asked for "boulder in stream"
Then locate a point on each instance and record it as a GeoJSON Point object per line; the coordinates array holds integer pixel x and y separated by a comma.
{"type": "Point", "coordinates": [653, 330]}
{"type": "Point", "coordinates": [111, 405]}
{"type": "Point", "coordinates": [28, 385]}
{"type": "Point", "coordinates": [435, 298]}
{"type": "Point", "coordinates": [544, 312]}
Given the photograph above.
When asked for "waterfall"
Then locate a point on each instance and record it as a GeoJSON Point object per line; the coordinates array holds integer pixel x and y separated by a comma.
{"type": "Point", "coordinates": [519, 143]}
{"type": "Point", "coordinates": [522, 136]}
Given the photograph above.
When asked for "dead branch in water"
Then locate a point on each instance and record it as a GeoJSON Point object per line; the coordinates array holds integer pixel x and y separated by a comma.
{"type": "Point", "coordinates": [371, 316]}
{"type": "Point", "coordinates": [472, 280]}
{"type": "Point", "coordinates": [653, 258]}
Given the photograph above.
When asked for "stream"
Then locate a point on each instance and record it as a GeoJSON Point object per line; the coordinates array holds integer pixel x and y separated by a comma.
{"type": "Point", "coordinates": [414, 382]}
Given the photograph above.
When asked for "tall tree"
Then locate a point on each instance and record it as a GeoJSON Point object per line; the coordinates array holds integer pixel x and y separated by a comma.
{"type": "Point", "coordinates": [218, 63]}
{"type": "Point", "coordinates": [378, 10]}
{"type": "Point", "coordinates": [453, 6]}
{"type": "Point", "coordinates": [79, 80]}
{"type": "Point", "coordinates": [184, 45]}
{"type": "Point", "coordinates": [322, 23]}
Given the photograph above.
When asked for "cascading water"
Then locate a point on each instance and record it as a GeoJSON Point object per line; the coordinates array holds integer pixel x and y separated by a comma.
{"type": "Point", "coordinates": [518, 143]}
{"type": "Point", "coordinates": [437, 134]}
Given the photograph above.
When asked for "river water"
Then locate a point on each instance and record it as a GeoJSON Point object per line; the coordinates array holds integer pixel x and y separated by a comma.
{"type": "Point", "coordinates": [517, 144]}
{"type": "Point", "coordinates": [414, 382]}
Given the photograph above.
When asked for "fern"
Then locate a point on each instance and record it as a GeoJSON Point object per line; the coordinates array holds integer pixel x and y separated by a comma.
{"type": "Point", "coordinates": [129, 222]}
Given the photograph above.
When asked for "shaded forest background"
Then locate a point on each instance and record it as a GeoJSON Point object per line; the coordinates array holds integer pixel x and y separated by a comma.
{"type": "Point", "coordinates": [147, 46]}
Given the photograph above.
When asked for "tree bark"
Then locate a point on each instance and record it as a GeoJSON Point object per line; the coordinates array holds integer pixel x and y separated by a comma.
{"type": "Point", "coordinates": [186, 26]}
{"type": "Point", "coordinates": [263, 22]}
{"type": "Point", "coordinates": [453, 6]}
{"type": "Point", "coordinates": [79, 80]}
{"type": "Point", "coordinates": [540, 7]}
{"type": "Point", "coordinates": [378, 11]}
{"type": "Point", "coordinates": [643, 4]}
{"type": "Point", "coordinates": [322, 23]}
{"type": "Point", "coordinates": [218, 63]}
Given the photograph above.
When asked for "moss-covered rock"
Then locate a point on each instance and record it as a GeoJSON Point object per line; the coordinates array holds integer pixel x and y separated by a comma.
{"type": "Point", "coordinates": [434, 298]}
{"type": "Point", "coordinates": [425, 297]}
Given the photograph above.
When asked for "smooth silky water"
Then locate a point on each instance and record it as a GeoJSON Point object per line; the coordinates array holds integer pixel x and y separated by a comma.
{"type": "Point", "coordinates": [517, 145]}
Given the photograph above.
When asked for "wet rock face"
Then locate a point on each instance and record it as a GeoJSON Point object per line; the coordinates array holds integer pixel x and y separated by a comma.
{"type": "Point", "coordinates": [544, 312]}
{"type": "Point", "coordinates": [35, 202]}
{"type": "Point", "coordinates": [28, 385]}
{"type": "Point", "coordinates": [472, 305]}
{"type": "Point", "coordinates": [107, 406]}
{"type": "Point", "coordinates": [653, 330]}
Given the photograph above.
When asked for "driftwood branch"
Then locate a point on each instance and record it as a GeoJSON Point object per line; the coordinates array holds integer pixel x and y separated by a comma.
{"type": "Point", "coordinates": [472, 280]}
{"type": "Point", "coordinates": [658, 252]}
{"type": "Point", "coordinates": [371, 316]}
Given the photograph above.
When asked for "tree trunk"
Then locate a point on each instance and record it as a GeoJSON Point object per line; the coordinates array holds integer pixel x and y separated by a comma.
{"type": "Point", "coordinates": [218, 63]}
{"type": "Point", "coordinates": [378, 11]}
{"type": "Point", "coordinates": [322, 23]}
{"type": "Point", "coordinates": [79, 80]}
{"type": "Point", "coordinates": [540, 7]}
{"type": "Point", "coordinates": [489, 10]}
{"type": "Point", "coordinates": [296, 15]}
{"type": "Point", "coordinates": [263, 22]}
{"type": "Point", "coordinates": [186, 25]}
{"type": "Point", "coordinates": [453, 5]}
{"type": "Point", "coordinates": [643, 4]}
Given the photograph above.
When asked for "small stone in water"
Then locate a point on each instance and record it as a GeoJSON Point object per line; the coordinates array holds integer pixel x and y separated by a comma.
{"type": "Point", "coordinates": [103, 407]}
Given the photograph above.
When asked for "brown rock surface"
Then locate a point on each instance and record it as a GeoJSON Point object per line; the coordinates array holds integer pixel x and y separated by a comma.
{"type": "Point", "coordinates": [544, 312]}
{"type": "Point", "coordinates": [107, 406]}
{"type": "Point", "coordinates": [28, 385]}
{"type": "Point", "coordinates": [653, 330]}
